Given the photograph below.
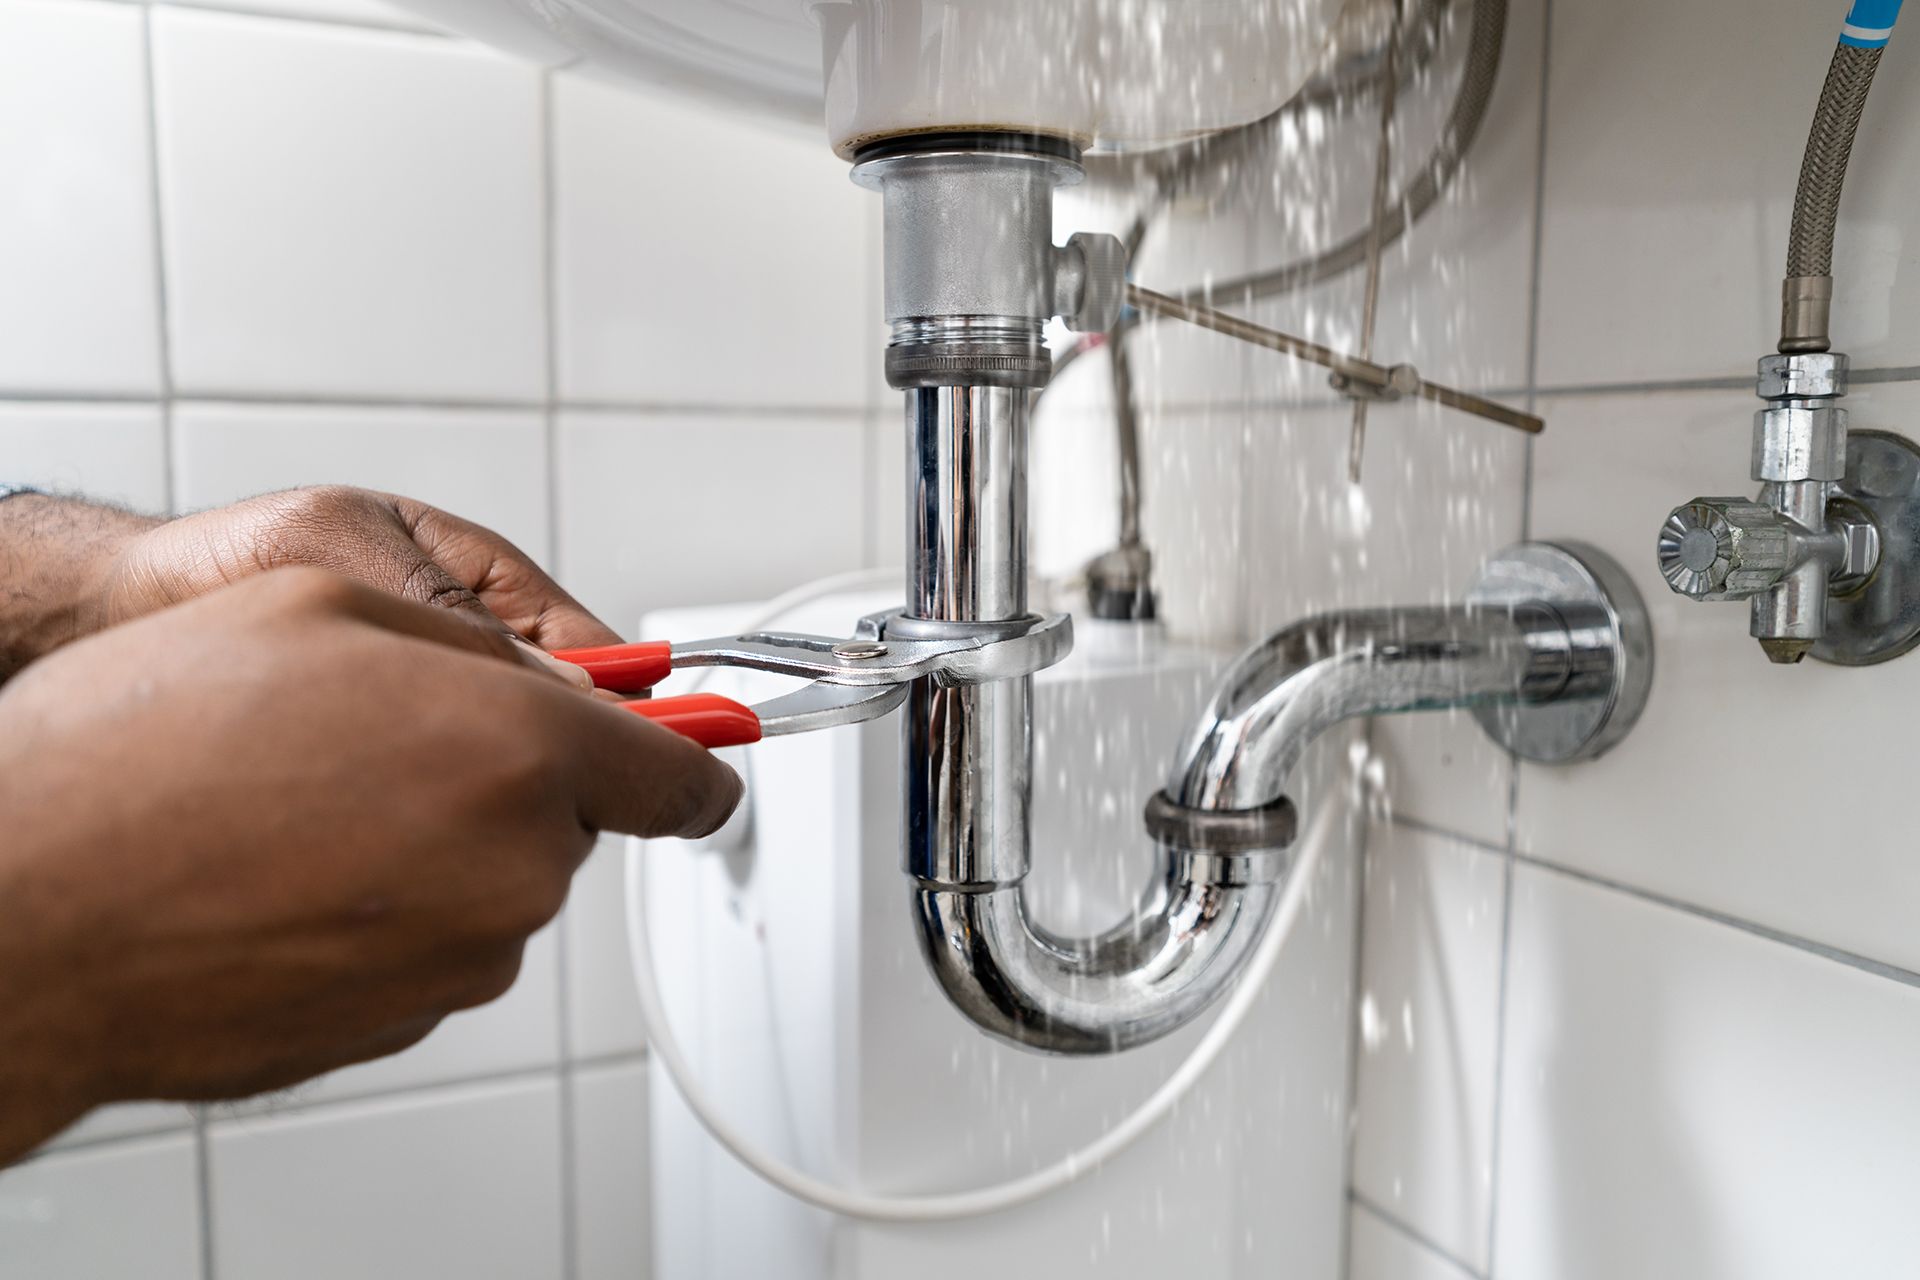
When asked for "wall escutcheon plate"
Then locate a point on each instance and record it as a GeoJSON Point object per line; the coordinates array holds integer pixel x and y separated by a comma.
{"type": "Point", "coordinates": [1881, 620]}
{"type": "Point", "coordinates": [1590, 590]}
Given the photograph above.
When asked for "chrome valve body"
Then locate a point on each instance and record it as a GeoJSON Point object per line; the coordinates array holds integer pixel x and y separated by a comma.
{"type": "Point", "coordinates": [1816, 533]}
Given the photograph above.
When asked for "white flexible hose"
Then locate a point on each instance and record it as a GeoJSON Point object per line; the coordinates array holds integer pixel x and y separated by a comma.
{"type": "Point", "coordinates": [981, 1200]}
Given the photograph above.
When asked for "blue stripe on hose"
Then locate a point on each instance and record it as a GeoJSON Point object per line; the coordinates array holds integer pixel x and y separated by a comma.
{"type": "Point", "coordinates": [1870, 23]}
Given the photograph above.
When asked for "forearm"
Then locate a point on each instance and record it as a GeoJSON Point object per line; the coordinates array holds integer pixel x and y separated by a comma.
{"type": "Point", "coordinates": [34, 1107]}
{"type": "Point", "coordinates": [54, 557]}
{"type": "Point", "coordinates": [46, 1081]}
{"type": "Point", "coordinates": [47, 1073]}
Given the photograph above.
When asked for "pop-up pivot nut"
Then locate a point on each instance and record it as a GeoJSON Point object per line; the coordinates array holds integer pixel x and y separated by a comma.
{"type": "Point", "coordinates": [1090, 281]}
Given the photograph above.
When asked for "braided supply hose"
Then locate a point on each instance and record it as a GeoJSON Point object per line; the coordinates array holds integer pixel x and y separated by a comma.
{"type": "Point", "coordinates": [1806, 298]}
{"type": "Point", "coordinates": [1209, 158]}
{"type": "Point", "coordinates": [1486, 37]}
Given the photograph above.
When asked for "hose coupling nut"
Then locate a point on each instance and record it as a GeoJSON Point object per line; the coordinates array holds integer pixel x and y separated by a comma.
{"type": "Point", "coordinates": [1805, 375]}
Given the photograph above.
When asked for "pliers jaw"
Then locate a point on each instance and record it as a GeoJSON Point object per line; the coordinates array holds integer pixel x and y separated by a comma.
{"type": "Point", "coordinates": [852, 680]}
{"type": "Point", "coordinates": [827, 706]}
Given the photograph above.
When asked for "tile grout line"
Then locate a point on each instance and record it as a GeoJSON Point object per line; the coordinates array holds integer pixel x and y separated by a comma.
{"type": "Point", "coordinates": [1729, 382]}
{"type": "Point", "coordinates": [693, 409]}
{"type": "Point", "coordinates": [203, 1190]}
{"type": "Point", "coordinates": [53, 1149]}
{"type": "Point", "coordinates": [169, 486]}
{"type": "Point", "coordinates": [423, 1089]}
{"type": "Point", "coordinates": [1503, 981]}
{"type": "Point", "coordinates": [1400, 818]}
{"type": "Point", "coordinates": [563, 977]}
{"type": "Point", "coordinates": [1362, 851]}
{"type": "Point", "coordinates": [1536, 255]}
{"type": "Point", "coordinates": [641, 408]}
{"type": "Point", "coordinates": [302, 400]}
{"type": "Point", "coordinates": [202, 1116]}
{"type": "Point", "coordinates": [1396, 1223]}
{"type": "Point", "coordinates": [297, 399]}
{"type": "Point", "coordinates": [1792, 941]}
{"type": "Point", "coordinates": [81, 397]}
{"type": "Point", "coordinates": [308, 19]}
{"type": "Point", "coordinates": [1244, 488]}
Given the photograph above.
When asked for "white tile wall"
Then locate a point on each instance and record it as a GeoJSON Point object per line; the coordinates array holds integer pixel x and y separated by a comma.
{"type": "Point", "coordinates": [1440, 767]}
{"type": "Point", "coordinates": [603, 1015]}
{"type": "Point", "coordinates": [347, 212]}
{"type": "Point", "coordinates": [1456, 287]}
{"type": "Point", "coordinates": [125, 1120]}
{"type": "Point", "coordinates": [1457, 284]}
{"type": "Point", "coordinates": [1199, 548]}
{"type": "Point", "coordinates": [365, 13]}
{"type": "Point", "coordinates": [1462, 313]}
{"type": "Point", "coordinates": [123, 1210]}
{"type": "Point", "coordinates": [1380, 1250]}
{"type": "Point", "coordinates": [611, 1216]}
{"type": "Point", "coordinates": [1073, 470]}
{"type": "Point", "coordinates": [1180, 366]}
{"type": "Point", "coordinates": [662, 510]}
{"type": "Point", "coordinates": [1437, 496]}
{"type": "Point", "coordinates": [358, 225]}
{"type": "Point", "coordinates": [705, 257]}
{"type": "Point", "coordinates": [1694, 1075]}
{"type": "Point", "coordinates": [1429, 1025]}
{"type": "Point", "coordinates": [1686, 1100]}
{"type": "Point", "coordinates": [78, 307]}
{"type": "Point", "coordinates": [487, 465]}
{"type": "Point", "coordinates": [364, 1190]}
{"type": "Point", "coordinates": [886, 538]}
{"type": "Point", "coordinates": [1667, 206]}
{"type": "Point", "coordinates": [111, 452]}
{"type": "Point", "coordinates": [1828, 857]}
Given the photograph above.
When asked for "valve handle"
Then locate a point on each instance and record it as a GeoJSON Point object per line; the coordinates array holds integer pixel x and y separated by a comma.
{"type": "Point", "coordinates": [1724, 548]}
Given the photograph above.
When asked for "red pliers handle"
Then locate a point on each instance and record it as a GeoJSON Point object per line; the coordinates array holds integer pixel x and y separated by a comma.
{"type": "Point", "coordinates": [716, 721]}
{"type": "Point", "coordinates": [708, 718]}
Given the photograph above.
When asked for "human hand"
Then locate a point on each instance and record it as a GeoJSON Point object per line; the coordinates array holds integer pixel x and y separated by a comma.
{"type": "Point", "coordinates": [82, 567]}
{"type": "Point", "coordinates": [286, 827]}
{"type": "Point", "coordinates": [403, 547]}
